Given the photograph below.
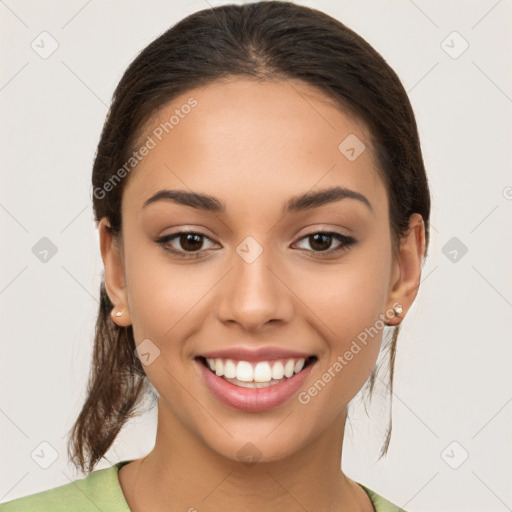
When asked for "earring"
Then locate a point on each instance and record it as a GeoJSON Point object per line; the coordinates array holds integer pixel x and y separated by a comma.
{"type": "Point", "coordinates": [398, 310]}
{"type": "Point", "coordinates": [116, 313]}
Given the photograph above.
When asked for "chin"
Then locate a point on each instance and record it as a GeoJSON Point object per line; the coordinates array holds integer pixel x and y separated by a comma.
{"type": "Point", "coordinates": [258, 447]}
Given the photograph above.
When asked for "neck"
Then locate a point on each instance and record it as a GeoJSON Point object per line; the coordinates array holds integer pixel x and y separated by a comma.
{"type": "Point", "coordinates": [182, 473]}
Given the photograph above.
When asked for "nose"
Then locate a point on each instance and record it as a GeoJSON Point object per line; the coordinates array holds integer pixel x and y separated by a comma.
{"type": "Point", "coordinates": [255, 292]}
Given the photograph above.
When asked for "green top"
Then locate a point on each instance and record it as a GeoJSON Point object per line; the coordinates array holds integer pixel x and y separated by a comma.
{"type": "Point", "coordinates": [100, 490]}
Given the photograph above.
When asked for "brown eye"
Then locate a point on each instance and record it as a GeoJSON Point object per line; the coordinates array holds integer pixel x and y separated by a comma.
{"type": "Point", "coordinates": [190, 241]}
{"type": "Point", "coordinates": [187, 244]}
{"type": "Point", "coordinates": [320, 242]}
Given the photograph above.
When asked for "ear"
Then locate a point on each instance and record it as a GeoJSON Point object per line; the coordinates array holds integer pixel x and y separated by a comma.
{"type": "Point", "coordinates": [112, 255]}
{"type": "Point", "coordinates": [406, 275]}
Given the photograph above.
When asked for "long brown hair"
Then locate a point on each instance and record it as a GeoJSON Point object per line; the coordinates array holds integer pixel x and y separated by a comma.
{"type": "Point", "coordinates": [272, 39]}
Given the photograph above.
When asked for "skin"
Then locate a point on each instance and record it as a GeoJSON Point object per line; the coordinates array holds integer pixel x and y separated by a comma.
{"type": "Point", "coordinates": [253, 146]}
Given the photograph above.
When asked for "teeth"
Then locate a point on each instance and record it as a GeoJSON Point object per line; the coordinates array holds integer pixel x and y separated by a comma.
{"type": "Point", "coordinates": [230, 369]}
{"type": "Point", "coordinates": [252, 384]}
{"type": "Point", "coordinates": [278, 370]}
{"type": "Point", "coordinates": [219, 367]}
{"type": "Point", "coordinates": [289, 367]}
{"type": "Point", "coordinates": [262, 374]}
{"type": "Point", "coordinates": [244, 371]}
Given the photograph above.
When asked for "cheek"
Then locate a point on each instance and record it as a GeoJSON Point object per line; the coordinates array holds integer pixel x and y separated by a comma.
{"type": "Point", "coordinates": [348, 302]}
{"type": "Point", "coordinates": [163, 296]}
{"type": "Point", "coordinates": [353, 335]}
{"type": "Point", "coordinates": [353, 331]}
{"type": "Point", "coordinates": [347, 297]}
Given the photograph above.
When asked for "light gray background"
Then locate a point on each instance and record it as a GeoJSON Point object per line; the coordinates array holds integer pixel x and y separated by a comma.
{"type": "Point", "coordinates": [453, 378]}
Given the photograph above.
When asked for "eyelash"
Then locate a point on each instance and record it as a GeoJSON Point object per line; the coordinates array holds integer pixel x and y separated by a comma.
{"type": "Point", "coordinates": [347, 241]}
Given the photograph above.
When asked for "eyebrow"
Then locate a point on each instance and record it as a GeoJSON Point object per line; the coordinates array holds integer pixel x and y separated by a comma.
{"type": "Point", "coordinates": [295, 204]}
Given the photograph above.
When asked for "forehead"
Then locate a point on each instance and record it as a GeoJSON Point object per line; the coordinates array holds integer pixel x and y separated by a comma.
{"type": "Point", "coordinates": [260, 140]}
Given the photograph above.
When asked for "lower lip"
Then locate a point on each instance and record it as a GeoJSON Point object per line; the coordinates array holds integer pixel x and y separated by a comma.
{"type": "Point", "coordinates": [253, 399]}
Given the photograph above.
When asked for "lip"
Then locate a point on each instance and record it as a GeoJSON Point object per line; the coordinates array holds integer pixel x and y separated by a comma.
{"type": "Point", "coordinates": [260, 354]}
{"type": "Point", "coordinates": [253, 399]}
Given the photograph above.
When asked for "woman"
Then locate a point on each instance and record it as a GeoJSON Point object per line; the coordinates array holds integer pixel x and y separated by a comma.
{"type": "Point", "coordinates": [263, 212]}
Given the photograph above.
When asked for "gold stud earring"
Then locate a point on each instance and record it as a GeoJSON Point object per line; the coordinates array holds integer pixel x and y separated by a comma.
{"type": "Point", "coordinates": [398, 310]}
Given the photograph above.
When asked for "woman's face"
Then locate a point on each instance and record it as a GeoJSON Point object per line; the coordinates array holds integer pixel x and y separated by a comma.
{"type": "Point", "coordinates": [255, 284]}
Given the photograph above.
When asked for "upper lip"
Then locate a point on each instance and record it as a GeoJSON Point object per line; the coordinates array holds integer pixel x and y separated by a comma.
{"type": "Point", "coordinates": [260, 354]}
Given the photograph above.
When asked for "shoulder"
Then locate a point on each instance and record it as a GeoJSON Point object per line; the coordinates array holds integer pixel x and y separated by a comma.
{"type": "Point", "coordinates": [100, 490]}
{"type": "Point", "coordinates": [381, 504]}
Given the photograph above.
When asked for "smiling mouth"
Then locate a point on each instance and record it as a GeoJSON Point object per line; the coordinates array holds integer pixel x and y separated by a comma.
{"type": "Point", "coordinates": [256, 374]}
